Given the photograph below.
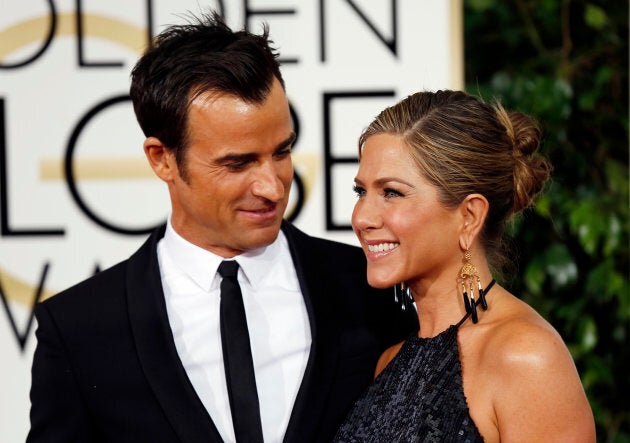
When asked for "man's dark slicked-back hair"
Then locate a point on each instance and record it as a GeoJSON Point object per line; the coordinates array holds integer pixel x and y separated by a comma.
{"type": "Point", "coordinates": [203, 55]}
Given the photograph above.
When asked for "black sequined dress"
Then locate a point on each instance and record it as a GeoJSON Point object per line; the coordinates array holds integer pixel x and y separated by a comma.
{"type": "Point", "coordinates": [418, 397]}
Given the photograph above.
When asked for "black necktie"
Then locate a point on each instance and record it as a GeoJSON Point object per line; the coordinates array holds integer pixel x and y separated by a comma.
{"type": "Point", "coordinates": [237, 358]}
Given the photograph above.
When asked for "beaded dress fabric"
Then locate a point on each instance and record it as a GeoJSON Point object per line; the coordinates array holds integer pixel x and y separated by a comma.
{"type": "Point", "coordinates": [418, 397]}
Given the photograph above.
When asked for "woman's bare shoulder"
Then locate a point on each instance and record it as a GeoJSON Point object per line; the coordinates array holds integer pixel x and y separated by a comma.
{"type": "Point", "coordinates": [523, 343]}
{"type": "Point", "coordinates": [386, 357]}
{"type": "Point", "coordinates": [536, 390]}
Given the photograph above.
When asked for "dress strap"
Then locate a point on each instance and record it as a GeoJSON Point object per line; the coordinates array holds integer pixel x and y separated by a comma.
{"type": "Point", "coordinates": [485, 291]}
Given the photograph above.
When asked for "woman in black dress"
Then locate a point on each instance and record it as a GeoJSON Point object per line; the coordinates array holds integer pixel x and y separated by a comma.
{"type": "Point", "coordinates": [440, 175]}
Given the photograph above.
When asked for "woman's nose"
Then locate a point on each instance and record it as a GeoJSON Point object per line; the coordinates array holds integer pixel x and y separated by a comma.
{"type": "Point", "coordinates": [366, 215]}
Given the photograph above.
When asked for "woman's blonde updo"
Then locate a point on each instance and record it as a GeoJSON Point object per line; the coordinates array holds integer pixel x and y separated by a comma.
{"type": "Point", "coordinates": [531, 170]}
{"type": "Point", "coordinates": [464, 146]}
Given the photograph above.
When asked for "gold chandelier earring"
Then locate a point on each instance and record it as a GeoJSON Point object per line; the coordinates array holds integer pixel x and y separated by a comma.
{"type": "Point", "coordinates": [469, 278]}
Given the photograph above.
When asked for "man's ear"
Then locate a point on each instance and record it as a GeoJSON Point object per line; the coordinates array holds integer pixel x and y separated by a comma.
{"type": "Point", "coordinates": [161, 159]}
{"type": "Point", "coordinates": [473, 210]}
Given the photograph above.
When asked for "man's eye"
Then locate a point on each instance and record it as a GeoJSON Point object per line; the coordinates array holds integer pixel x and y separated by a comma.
{"type": "Point", "coordinates": [283, 153]}
{"type": "Point", "coordinates": [238, 166]}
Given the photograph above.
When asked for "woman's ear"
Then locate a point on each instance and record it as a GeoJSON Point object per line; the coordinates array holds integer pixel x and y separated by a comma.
{"type": "Point", "coordinates": [474, 210]}
{"type": "Point", "coordinates": [161, 159]}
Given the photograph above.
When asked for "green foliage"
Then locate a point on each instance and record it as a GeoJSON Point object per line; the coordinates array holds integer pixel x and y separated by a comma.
{"type": "Point", "coordinates": [566, 63]}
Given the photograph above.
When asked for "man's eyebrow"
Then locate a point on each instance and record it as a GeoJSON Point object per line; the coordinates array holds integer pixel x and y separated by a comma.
{"type": "Point", "coordinates": [287, 142]}
{"type": "Point", "coordinates": [251, 156]}
{"type": "Point", "coordinates": [236, 158]}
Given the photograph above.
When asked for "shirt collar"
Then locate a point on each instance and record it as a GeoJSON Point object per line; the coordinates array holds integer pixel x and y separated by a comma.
{"type": "Point", "coordinates": [201, 265]}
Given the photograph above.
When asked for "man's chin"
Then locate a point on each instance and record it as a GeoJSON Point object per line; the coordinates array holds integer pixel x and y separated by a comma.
{"type": "Point", "coordinates": [263, 236]}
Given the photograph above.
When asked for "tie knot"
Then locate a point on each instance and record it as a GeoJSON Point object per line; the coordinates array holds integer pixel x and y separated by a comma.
{"type": "Point", "coordinates": [228, 268]}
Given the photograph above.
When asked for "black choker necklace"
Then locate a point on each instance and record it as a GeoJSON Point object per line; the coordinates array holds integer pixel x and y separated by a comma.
{"type": "Point", "coordinates": [471, 305]}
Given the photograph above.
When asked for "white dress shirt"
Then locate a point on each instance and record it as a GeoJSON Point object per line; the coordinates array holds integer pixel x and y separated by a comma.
{"type": "Point", "coordinates": [277, 320]}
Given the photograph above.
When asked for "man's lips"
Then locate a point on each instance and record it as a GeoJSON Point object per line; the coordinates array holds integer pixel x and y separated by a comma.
{"type": "Point", "coordinates": [265, 212]}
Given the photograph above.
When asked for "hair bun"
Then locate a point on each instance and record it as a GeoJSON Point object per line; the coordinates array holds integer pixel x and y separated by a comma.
{"type": "Point", "coordinates": [531, 170]}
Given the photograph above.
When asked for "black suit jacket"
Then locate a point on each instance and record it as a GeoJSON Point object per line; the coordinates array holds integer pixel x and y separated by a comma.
{"type": "Point", "coordinates": [106, 367]}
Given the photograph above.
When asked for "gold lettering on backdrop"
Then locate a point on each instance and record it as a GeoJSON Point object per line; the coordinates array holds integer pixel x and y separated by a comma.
{"type": "Point", "coordinates": [19, 291]}
{"type": "Point", "coordinates": [29, 31]}
{"type": "Point", "coordinates": [98, 168]}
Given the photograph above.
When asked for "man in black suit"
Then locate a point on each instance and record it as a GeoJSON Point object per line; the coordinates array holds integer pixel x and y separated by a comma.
{"type": "Point", "coordinates": [134, 354]}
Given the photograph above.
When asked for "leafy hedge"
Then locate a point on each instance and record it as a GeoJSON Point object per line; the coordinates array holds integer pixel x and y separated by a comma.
{"type": "Point", "coordinates": [566, 63]}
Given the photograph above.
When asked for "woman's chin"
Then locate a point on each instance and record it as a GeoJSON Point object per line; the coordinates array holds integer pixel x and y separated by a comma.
{"type": "Point", "coordinates": [380, 282]}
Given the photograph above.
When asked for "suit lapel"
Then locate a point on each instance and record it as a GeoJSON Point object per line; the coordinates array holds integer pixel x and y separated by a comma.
{"type": "Point", "coordinates": [315, 388]}
{"type": "Point", "coordinates": [156, 348]}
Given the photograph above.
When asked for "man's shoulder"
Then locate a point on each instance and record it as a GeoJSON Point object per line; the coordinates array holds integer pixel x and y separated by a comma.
{"type": "Point", "coordinates": [103, 282]}
{"type": "Point", "coordinates": [106, 282]}
{"type": "Point", "coordinates": [299, 237]}
{"type": "Point", "coordinates": [320, 256]}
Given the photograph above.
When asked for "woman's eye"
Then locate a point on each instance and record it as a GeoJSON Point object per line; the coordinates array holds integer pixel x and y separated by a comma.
{"type": "Point", "coordinates": [358, 190]}
{"type": "Point", "coordinates": [388, 192]}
